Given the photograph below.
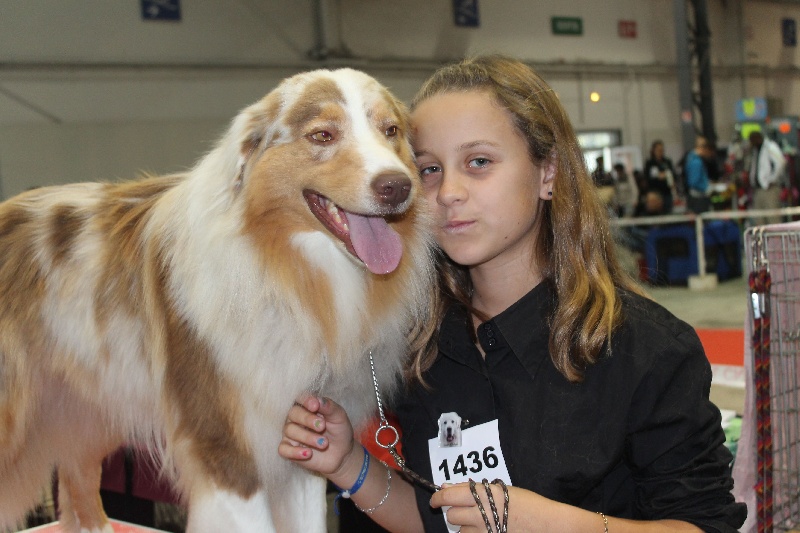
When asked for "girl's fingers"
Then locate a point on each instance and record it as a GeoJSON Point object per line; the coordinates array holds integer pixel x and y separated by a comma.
{"type": "Point", "coordinates": [461, 509]}
{"type": "Point", "coordinates": [331, 410]}
{"type": "Point", "coordinates": [293, 452]}
{"type": "Point", "coordinates": [453, 495]}
{"type": "Point", "coordinates": [312, 403]}
{"type": "Point", "coordinates": [304, 437]}
{"type": "Point", "coordinates": [301, 416]}
{"type": "Point", "coordinates": [468, 518]}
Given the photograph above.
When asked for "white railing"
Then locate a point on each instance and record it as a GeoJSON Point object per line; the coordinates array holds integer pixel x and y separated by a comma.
{"type": "Point", "coordinates": [699, 220]}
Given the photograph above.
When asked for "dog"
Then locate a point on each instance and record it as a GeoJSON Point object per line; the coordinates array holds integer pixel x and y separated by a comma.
{"type": "Point", "coordinates": [449, 430]}
{"type": "Point", "coordinates": [186, 312]}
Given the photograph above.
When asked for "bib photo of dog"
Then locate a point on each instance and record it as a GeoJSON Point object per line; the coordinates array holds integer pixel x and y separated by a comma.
{"type": "Point", "coordinates": [185, 313]}
{"type": "Point", "coordinates": [449, 430]}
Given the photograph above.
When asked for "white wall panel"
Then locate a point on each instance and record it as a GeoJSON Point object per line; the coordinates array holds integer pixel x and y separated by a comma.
{"type": "Point", "coordinates": [164, 90]}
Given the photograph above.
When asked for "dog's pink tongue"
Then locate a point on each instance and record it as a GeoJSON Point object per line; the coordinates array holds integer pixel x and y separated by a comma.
{"type": "Point", "coordinates": [375, 243]}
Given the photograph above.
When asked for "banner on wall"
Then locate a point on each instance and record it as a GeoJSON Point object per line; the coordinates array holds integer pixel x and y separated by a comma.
{"type": "Point", "coordinates": [751, 109]}
{"type": "Point", "coordinates": [566, 25]}
{"type": "Point", "coordinates": [162, 10]}
{"type": "Point", "coordinates": [626, 29]}
{"type": "Point", "coordinates": [789, 32]}
{"type": "Point", "coordinates": [465, 13]}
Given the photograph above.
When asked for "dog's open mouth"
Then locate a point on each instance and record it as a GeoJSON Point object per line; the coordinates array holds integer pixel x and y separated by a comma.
{"type": "Point", "coordinates": [370, 238]}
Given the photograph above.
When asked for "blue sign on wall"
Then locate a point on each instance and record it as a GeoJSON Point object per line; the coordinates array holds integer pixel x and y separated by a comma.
{"type": "Point", "coordinates": [465, 13]}
{"type": "Point", "coordinates": [789, 32]}
{"type": "Point", "coordinates": [751, 109]}
{"type": "Point", "coordinates": [161, 9]}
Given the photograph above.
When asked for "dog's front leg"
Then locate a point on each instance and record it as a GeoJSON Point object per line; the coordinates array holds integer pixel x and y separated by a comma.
{"type": "Point", "coordinates": [300, 505]}
{"type": "Point", "coordinates": [220, 510]}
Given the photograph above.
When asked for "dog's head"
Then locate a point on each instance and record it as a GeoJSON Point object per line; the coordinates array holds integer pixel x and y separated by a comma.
{"type": "Point", "coordinates": [449, 428]}
{"type": "Point", "coordinates": [328, 151]}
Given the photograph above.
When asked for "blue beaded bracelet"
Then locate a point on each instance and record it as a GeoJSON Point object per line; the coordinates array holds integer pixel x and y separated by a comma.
{"type": "Point", "coordinates": [357, 485]}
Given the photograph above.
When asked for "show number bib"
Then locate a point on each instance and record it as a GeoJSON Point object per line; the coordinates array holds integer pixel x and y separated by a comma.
{"type": "Point", "coordinates": [479, 456]}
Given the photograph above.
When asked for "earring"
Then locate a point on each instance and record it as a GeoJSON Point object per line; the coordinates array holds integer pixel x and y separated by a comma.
{"type": "Point", "coordinates": [550, 194]}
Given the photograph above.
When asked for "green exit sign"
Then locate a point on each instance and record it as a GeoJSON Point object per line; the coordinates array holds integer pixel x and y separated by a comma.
{"type": "Point", "coordinates": [567, 25]}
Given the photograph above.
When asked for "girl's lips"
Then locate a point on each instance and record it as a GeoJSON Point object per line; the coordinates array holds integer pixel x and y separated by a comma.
{"type": "Point", "coordinates": [457, 225]}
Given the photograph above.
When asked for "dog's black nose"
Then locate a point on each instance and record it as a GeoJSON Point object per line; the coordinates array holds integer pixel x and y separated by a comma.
{"type": "Point", "coordinates": [392, 189]}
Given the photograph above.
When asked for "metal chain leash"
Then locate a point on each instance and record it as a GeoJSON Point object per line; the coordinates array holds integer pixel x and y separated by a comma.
{"type": "Point", "coordinates": [392, 446]}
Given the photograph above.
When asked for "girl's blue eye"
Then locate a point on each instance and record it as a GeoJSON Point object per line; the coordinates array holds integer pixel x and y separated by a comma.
{"type": "Point", "coordinates": [479, 162]}
{"type": "Point", "coordinates": [425, 171]}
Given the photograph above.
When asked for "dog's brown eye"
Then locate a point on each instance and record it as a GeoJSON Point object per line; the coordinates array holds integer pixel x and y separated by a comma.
{"type": "Point", "coordinates": [322, 136]}
{"type": "Point", "coordinates": [391, 131]}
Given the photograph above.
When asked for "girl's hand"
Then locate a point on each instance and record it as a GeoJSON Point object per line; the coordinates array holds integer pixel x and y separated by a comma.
{"type": "Point", "coordinates": [318, 436]}
{"type": "Point", "coordinates": [464, 511]}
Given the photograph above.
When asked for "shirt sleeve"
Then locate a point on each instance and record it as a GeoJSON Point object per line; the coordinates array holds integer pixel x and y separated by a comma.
{"type": "Point", "coordinates": [676, 444]}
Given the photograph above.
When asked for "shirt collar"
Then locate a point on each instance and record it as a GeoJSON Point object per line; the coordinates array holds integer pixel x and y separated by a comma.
{"type": "Point", "coordinates": [524, 326]}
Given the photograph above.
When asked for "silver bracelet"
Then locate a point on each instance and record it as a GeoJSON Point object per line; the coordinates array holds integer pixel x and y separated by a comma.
{"type": "Point", "coordinates": [385, 496]}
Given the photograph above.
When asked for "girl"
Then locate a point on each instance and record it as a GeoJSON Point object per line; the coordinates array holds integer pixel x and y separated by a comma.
{"type": "Point", "coordinates": [589, 398]}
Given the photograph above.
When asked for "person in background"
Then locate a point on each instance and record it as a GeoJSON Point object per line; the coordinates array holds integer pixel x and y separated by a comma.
{"type": "Point", "coordinates": [767, 170]}
{"type": "Point", "coordinates": [546, 351]}
{"type": "Point", "coordinates": [604, 184]}
{"type": "Point", "coordinates": [660, 176]}
{"type": "Point", "coordinates": [626, 192]}
{"type": "Point", "coordinates": [698, 185]}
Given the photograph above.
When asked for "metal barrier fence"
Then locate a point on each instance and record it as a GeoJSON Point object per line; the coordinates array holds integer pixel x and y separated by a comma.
{"type": "Point", "coordinates": [701, 219]}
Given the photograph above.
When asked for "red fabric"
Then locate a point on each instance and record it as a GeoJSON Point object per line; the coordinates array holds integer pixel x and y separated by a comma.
{"type": "Point", "coordinates": [723, 346]}
{"type": "Point", "coordinates": [367, 438]}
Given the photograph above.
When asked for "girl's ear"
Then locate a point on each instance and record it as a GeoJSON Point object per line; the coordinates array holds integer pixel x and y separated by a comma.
{"type": "Point", "coordinates": [548, 177]}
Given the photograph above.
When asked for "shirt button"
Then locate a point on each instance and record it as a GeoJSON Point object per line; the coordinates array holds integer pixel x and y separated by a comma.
{"type": "Point", "coordinates": [491, 341]}
{"type": "Point", "coordinates": [489, 331]}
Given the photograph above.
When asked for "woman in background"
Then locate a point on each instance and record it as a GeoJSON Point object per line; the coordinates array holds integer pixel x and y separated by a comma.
{"type": "Point", "coordinates": [660, 176]}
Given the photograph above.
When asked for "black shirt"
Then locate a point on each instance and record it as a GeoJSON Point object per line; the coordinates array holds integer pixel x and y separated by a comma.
{"type": "Point", "coordinates": [638, 438]}
{"type": "Point", "coordinates": [653, 182]}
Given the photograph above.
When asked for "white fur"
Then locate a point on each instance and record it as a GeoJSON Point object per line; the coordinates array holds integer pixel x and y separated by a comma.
{"type": "Point", "coordinates": [221, 510]}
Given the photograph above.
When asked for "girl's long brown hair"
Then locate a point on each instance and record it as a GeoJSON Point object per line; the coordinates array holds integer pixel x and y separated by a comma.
{"type": "Point", "coordinates": [574, 246]}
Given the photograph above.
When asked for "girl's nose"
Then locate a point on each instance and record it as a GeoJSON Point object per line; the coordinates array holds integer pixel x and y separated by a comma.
{"type": "Point", "coordinates": [451, 190]}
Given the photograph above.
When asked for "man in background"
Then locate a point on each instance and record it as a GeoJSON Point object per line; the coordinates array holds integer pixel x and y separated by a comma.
{"type": "Point", "coordinates": [767, 168]}
{"type": "Point", "coordinates": [698, 184]}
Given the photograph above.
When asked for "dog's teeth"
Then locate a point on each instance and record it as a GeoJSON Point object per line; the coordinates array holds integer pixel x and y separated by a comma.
{"type": "Point", "coordinates": [334, 212]}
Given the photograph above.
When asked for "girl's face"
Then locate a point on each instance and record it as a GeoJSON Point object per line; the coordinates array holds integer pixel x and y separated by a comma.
{"type": "Point", "coordinates": [479, 178]}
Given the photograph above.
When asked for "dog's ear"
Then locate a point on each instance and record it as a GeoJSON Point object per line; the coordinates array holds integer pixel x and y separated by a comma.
{"type": "Point", "coordinates": [255, 128]}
